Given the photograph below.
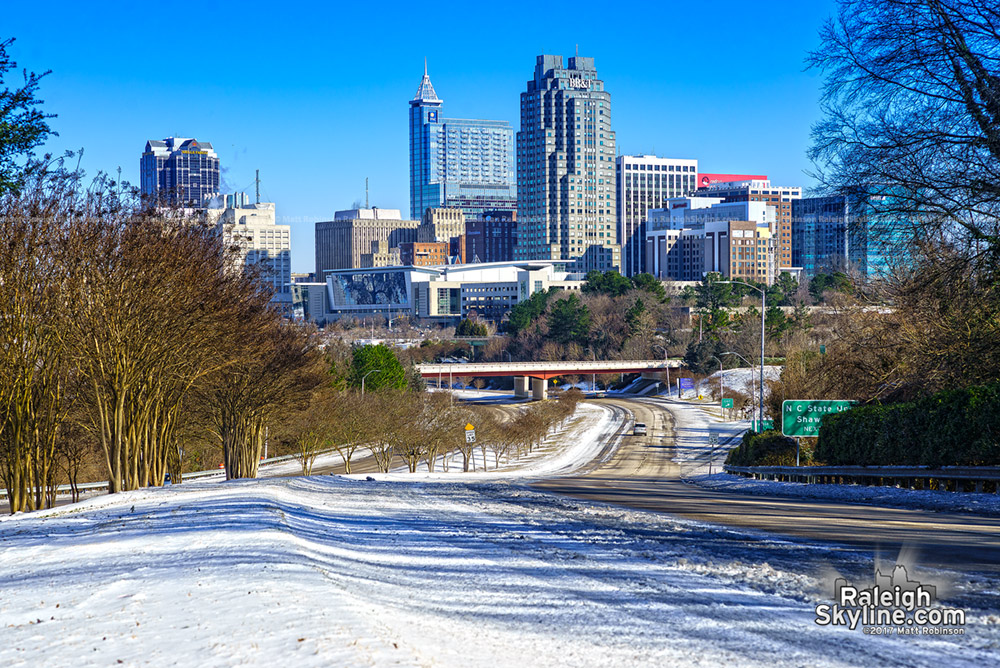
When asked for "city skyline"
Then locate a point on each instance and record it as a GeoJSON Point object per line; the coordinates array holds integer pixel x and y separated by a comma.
{"type": "Point", "coordinates": [318, 116]}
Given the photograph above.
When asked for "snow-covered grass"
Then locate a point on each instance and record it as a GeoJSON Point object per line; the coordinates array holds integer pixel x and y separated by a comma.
{"type": "Point", "coordinates": [565, 450]}
{"type": "Point", "coordinates": [978, 504]}
{"type": "Point", "coordinates": [740, 379]}
{"type": "Point", "coordinates": [448, 569]}
{"type": "Point", "coordinates": [331, 571]}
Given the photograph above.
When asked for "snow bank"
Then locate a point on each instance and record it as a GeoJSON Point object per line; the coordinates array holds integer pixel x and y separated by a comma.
{"type": "Point", "coordinates": [740, 379]}
{"type": "Point", "coordinates": [977, 504]}
{"type": "Point", "coordinates": [329, 571]}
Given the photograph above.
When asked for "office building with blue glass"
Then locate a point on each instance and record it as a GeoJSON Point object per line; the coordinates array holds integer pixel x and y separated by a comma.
{"type": "Point", "coordinates": [178, 170]}
{"type": "Point", "coordinates": [845, 233]}
{"type": "Point", "coordinates": [458, 163]}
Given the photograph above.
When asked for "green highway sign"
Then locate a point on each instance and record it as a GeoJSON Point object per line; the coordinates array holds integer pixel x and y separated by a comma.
{"type": "Point", "coordinates": [802, 418]}
{"type": "Point", "coordinates": [727, 403]}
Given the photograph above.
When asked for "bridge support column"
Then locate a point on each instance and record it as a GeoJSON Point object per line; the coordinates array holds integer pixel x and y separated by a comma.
{"type": "Point", "coordinates": [539, 388]}
{"type": "Point", "coordinates": [521, 386]}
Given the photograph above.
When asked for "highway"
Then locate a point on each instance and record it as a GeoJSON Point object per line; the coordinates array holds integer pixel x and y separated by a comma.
{"type": "Point", "coordinates": [643, 475]}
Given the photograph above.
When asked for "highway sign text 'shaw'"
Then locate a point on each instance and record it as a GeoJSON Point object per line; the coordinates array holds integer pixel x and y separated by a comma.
{"type": "Point", "coordinates": [802, 418]}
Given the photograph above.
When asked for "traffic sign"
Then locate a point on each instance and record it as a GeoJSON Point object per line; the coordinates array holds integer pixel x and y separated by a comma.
{"type": "Point", "coordinates": [470, 433]}
{"type": "Point", "coordinates": [727, 403]}
{"type": "Point", "coordinates": [802, 418]}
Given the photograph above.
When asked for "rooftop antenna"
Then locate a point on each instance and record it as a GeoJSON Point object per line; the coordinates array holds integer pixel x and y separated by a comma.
{"type": "Point", "coordinates": [577, 50]}
{"type": "Point", "coordinates": [366, 178]}
{"type": "Point", "coordinates": [425, 65]}
{"type": "Point", "coordinates": [257, 180]}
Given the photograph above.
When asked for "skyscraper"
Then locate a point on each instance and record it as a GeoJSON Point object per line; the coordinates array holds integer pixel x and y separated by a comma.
{"type": "Point", "coordinates": [177, 170]}
{"type": "Point", "coordinates": [566, 168]}
{"type": "Point", "coordinates": [262, 243]}
{"type": "Point", "coordinates": [458, 163]}
{"type": "Point", "coordinates": [646, 182]}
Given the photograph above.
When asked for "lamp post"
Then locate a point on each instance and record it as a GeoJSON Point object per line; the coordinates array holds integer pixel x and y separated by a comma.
{"type": "Point", "coordinates": [363, 380]}
{"type": "Point", "coordinates": [751, 371]}
{"type": "Point", "coordinates": [722, 388]}
{"type": "Point", "coordinates": [763, 311]}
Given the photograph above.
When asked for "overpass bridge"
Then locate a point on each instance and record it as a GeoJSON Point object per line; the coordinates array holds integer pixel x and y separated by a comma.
{"type": "Point", "coordinates": [540, 372]}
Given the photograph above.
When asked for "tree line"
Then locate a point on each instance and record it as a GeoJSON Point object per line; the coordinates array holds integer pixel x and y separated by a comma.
{"type": "Point", "coordinates": [392, 424]}
{"type": "Point", "coordinates": [129, 328]}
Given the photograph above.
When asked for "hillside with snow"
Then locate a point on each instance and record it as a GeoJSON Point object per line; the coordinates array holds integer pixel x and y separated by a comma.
{"type": "Point", "coordinates": [431, 570]}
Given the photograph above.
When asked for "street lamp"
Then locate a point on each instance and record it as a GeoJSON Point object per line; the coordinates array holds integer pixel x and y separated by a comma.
{"type": "Point", "coordinates": [763, 311]}
{"type": "Point", "coordinates": [363, 380]}
{"type": "Point", "coordinates": [722, 388]}
{"type": "Point", "coordinates": [751, 371]}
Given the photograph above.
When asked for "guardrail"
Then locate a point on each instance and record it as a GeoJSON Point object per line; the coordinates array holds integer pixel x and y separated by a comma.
{"type": "Point", "coordinates": [950, 478]}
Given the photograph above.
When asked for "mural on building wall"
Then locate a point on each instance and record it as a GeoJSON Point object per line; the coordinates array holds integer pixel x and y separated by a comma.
{"type": "Point", "coordinates": [369, 288]}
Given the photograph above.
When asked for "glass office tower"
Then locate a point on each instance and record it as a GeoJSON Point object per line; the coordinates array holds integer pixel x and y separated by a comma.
{"type": "Point", "coordinates": [458, 163]}
{"type": "Point", "coordinates": [177, 170]}
{"type": "Point", "coordinates": [566, 168]}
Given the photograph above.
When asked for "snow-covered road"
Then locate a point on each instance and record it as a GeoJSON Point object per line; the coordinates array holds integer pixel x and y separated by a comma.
{"type": "Point", "coordinates": [444, 570]}
{"type": "Point", "coordinates": [335, 571]}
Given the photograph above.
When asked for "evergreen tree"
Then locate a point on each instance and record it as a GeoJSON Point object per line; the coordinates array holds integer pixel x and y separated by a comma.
{"type": "Point", "coordinates": [378, 366]}
{"type": "Point", "coordinates": [569, 321]}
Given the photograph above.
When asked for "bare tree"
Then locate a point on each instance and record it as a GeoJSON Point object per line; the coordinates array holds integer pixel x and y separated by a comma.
{"type": "Point", "coordinates": [912, 104]}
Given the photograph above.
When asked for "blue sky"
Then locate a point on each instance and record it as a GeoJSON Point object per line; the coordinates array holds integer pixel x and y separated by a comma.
{"type": "Point", "coordinates": [316, 96]}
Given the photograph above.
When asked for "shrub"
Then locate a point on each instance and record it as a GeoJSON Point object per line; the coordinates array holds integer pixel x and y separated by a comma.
{"type": "Point", "coordinates": [769, 448]}
{"type": "Point", "coordinates": [958, 427]}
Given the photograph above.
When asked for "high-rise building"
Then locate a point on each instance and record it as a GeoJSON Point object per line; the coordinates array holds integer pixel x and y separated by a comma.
{"type": "Point", "coordinates": [176, 170]}
{"type": "Point", "coordinates": [739, 250]}
{"type": "Point", "coordinates": [356, 238]}
{"type": "Point", "coordinates": [846, 233]}
{"type": "Point", "coordinates": [446, 226]}
{"type": "Point", "coordinates": [458, 163]}
{"type": "Point", "coordinates": [566, 168]}
{"type": "Point", "coordinates": [262, 244]}
{"type": "Point", "coordinates": [696, 235]}
{"type": "Point", "coordinates": [763, 191]}
{"type": "Point", "coordinates": [491, 237]}
{"type": "Point", "coordinates": [646, 182]}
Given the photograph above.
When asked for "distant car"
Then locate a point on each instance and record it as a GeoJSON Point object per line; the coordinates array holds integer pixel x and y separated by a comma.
{"type": "Point", "coordinates": [639, 429]}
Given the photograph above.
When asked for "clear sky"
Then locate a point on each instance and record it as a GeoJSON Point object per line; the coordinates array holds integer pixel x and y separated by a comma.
{"type": "Point", "coordinates": [315, 95]}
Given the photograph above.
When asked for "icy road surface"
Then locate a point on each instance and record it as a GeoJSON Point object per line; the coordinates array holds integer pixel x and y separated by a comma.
{"type": "Point", "coordinates": [431, 571]}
